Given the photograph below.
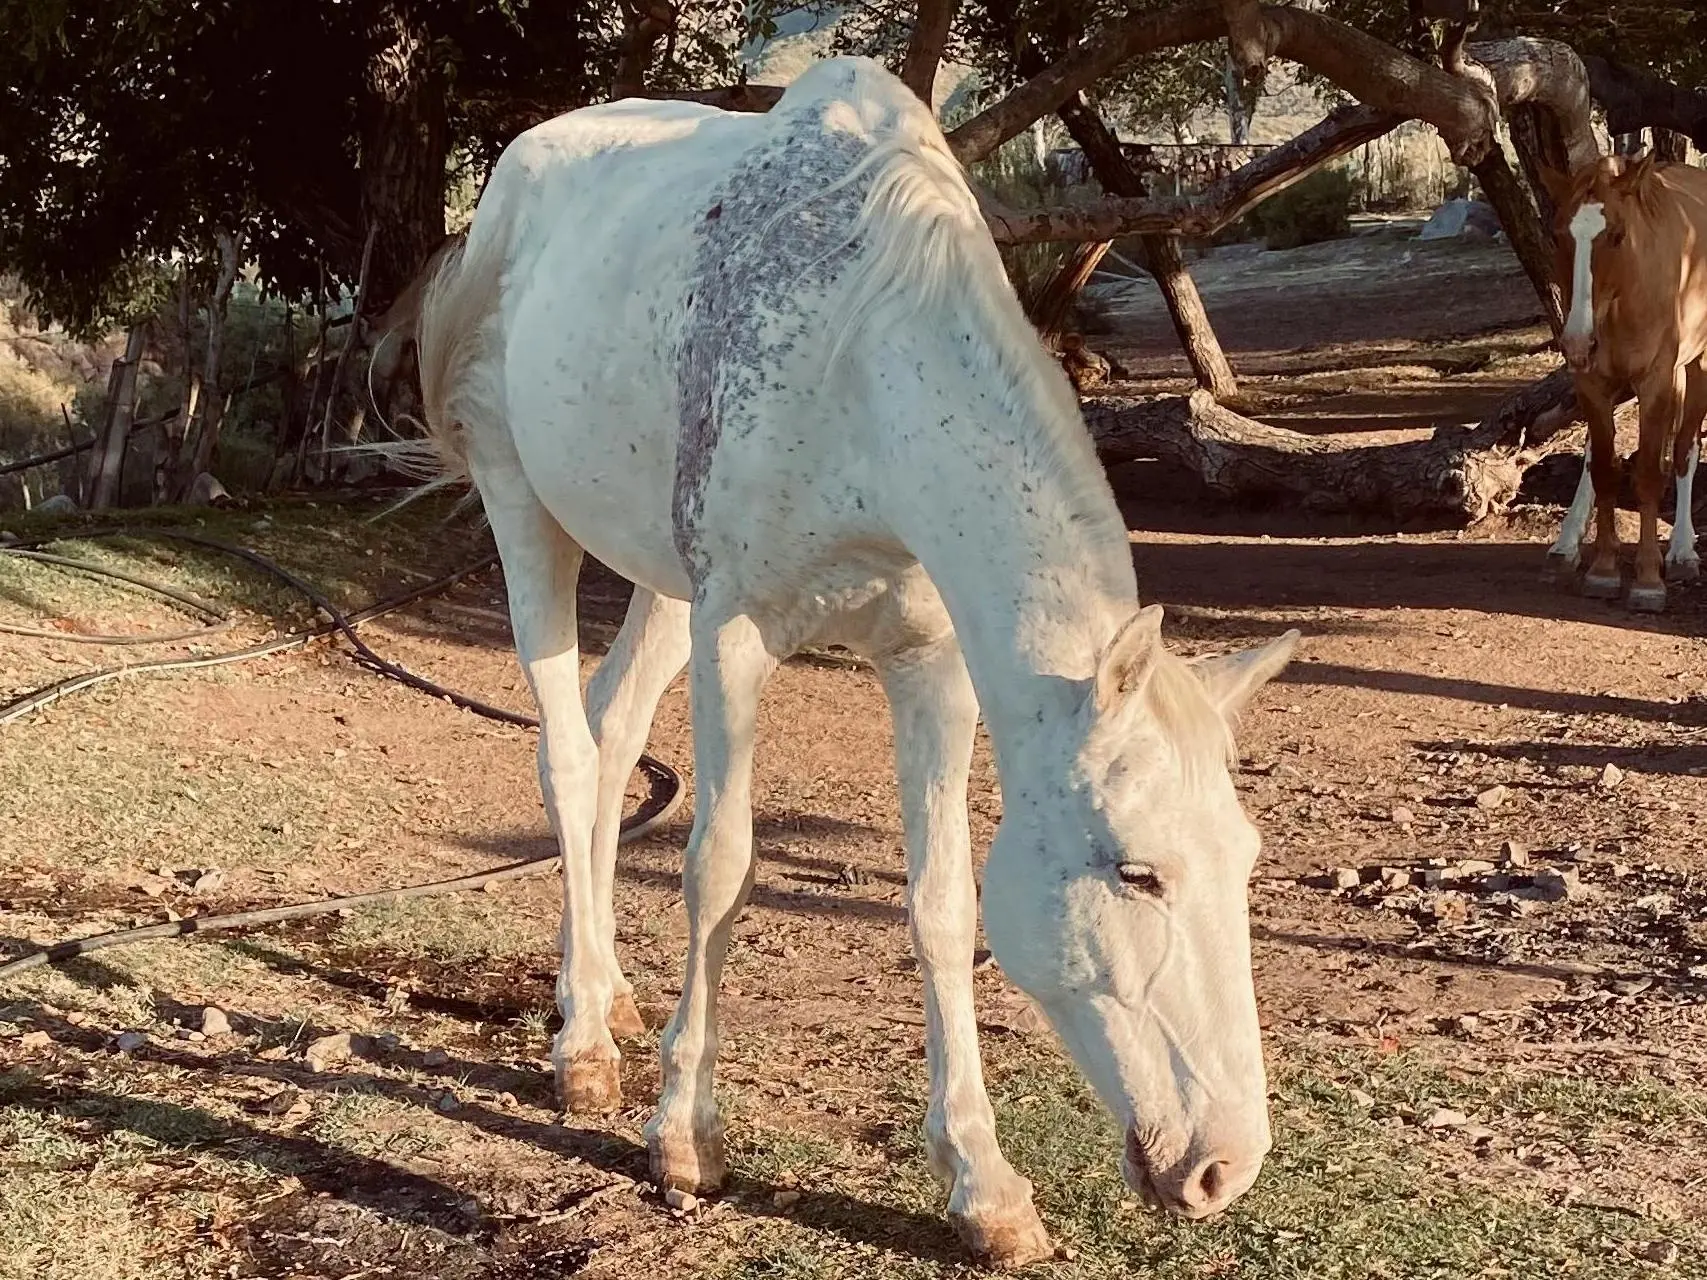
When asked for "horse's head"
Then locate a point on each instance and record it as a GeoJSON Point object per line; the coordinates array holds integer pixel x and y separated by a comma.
{"type": "Point", "coordinates": [1595, 235]}
{"type": "Point", "coordinates": [1115, 896]}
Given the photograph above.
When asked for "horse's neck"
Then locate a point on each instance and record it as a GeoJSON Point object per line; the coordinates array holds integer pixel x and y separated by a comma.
{"type": "Point", "coordinates": [1019, 532]}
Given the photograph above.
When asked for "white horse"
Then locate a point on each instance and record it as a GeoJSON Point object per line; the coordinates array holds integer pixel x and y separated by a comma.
{"type": "Point", "coordinates": [769, 368]}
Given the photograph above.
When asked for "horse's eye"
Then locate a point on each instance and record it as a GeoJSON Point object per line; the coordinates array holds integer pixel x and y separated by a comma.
{"type": "Point", "coordinates": [1140, 878]}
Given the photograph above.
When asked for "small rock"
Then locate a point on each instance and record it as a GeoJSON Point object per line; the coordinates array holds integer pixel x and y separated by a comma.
{"type": "Point", "coordinates": [508, 1101]}
{"type": "Point", "coordinates": [1611, 776]}
{"type": "Point", "coordinates": [208, 881]}
{"type": "Point", "coordinates": [329, 1049]}
{"type": "Point", "coordinates": [1480, 1135]}
{"type": "Point", "coordinates": [1446, 1118]}
{"type": "Point", "coordinates": [1663, 1252]}
{"type": "Point", "coordinates": [76, 1018]}
{"type": "Point", "coordinates": [1362, 1099]}
{"type": "Point", "coordinates": [449, 1102]}
{"type": "Point", "coordinates": [789, 952]}
{"type": "Point", "coordinates": [679, 1200]}
{"type": "Point", "coordinates": [1402, 816]}
{"type": "Point", "coordinates": [434, 1058]}
{"type": "Point", "coordinates": [1514, 853]}
{"type": "Point", "coordinates": [1395, 878]}
{"type": "Point", "coordinates": [190, 1034]}
{"type": "Point", "coordinates": [35, 1040]}
{"type": "Point", "coordinates": [1346, 878]}
{"type": "Point", "coordinates": [214, 1022]}
{"type": "Point", "coordinates": [1491, 799]}
{"type": "Point", "coordinates": [130, 1041]}
{"type": "Point", "coordinates": [785, 1199]}
{"type": "Point", "coordinates": [1474, 867]}
{"type": "Point", "coordinates": [1466, 1024]}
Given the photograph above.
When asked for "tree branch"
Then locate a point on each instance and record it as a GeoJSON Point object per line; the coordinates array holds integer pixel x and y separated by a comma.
{"type": "Point", "coordinates": [1219, 204]}
{"type": "Point", "coordinates": [924, 49]}
{"type": "Point", "coordinates": [1635, 100]}
{"type": "Point", "coordinates": [730, 97]}
{"type": "Point", "coordinates": [644, 23]}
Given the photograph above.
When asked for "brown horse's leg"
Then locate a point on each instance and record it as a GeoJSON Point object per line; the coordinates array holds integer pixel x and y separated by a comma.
{"type": "Point", "coordinates": [1594, 397]}
{"type": "Point", "coordinates": [1661, 397]}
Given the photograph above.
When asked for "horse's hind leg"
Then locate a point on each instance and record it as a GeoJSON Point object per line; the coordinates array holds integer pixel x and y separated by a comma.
{"type": "Point", "coordinates": [1564, 555]}
{"type": "Point", "coordinates": [541, 566]}
{"type": "Point", "coordinates": [1683, 564]}
{"type": "Point", "coordinates": [936, 715]}
{"type": "Point", "coordinates": [622, 696]}
{"type": "Point", "coordinates": [730, 665]}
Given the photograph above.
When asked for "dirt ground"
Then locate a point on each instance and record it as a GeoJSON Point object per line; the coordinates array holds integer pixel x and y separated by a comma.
{"type": "Point", "coordinates": [1498, 1073]}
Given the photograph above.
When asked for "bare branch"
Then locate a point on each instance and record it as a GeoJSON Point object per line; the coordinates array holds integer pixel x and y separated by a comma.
{"type": "Point", "coordinates": [644, 23]}
{"type": "Point", "coordinates": [1545, 74]}
{"type": "Point", "coordinates": [1215, 207]}
{"type": "Point", "coordinates": [1637, 100]}
{"type": "Point", "coordinates": [924, 50]}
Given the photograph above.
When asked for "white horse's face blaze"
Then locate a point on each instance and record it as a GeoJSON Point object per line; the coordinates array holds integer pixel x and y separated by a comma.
{"type": "Point", "coordinates": [1587, 225]}
{"type": "Point", "coordinates": [1120, 906]}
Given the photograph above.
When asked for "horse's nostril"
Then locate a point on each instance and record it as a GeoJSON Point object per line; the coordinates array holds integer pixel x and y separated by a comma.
{"type": "Point", "coordinates": [1211, 1182]}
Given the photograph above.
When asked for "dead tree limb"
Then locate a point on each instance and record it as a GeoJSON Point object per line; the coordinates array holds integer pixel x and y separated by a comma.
{"type": "Point", "coordinates": [106, 462]}
{"type": "Point", "coordinates": [1457, 473]}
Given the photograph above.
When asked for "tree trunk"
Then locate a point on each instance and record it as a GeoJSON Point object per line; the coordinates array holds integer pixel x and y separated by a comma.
{"type": "Point", "coordinates": [170, 450]}
{"type": "Point", "coordinates": [197, 453]}
{"type": "Point", "coordinates": [1530, 240]}
{"type": "Point", "coordinates": [1191, 321]}
{"type": "Point", "coordinates": [644, 23]}
{"type": "Point", "coordinates": [106, 459]}
{"type": "Point", "coordinates": [1457, 474]}
{"type": "Point", "coordinates": [1160, 253]}
{"type": "Point", "coordinates": [1049, 310]}
{"type": "Point", "coordinates": [404, 147]}
{"type": "Point", "coordinates": [924, 49]}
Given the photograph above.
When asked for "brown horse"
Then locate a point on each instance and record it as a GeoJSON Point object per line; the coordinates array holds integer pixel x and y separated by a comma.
{"type": "Point", "coordinates": [1631, 239]}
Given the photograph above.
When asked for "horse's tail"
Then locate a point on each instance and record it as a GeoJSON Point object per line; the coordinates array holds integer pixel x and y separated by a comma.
{"type": "Point", "coordinates": [455, 332]}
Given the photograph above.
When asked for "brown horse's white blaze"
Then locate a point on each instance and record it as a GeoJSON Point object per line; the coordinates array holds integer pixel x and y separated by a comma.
{"type": "Point", "coordinates": [1631, 241]}
{"type": "Point", "coordinates": [770, 369]}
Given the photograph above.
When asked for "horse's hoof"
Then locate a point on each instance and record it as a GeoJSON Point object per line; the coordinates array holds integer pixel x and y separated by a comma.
{"type": "Point", "coordinates": [624, 1018]}
{"type": "Point", "coordinates": [1647, 599]}
{"type": "Point", "coordinates": [697, 1166]}
{"type": "Point", "coordinates": [1602, 588]}
{"type": "Point", "coordinates": [1683, 570]}
{"type": "Point", "coordinates": [1561, 569]}
{"type": "Point", "coordinates": [1006, 1240]}
{"type": "Point", "coordinates": [592, 1086]}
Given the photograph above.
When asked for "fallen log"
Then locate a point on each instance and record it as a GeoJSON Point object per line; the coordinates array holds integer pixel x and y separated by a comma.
{"type": "Point", "coordinates": [1463, 473]}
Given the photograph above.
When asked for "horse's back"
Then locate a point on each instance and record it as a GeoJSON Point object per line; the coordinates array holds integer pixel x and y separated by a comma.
{"type": "Point", "coordinates": [643, 282]}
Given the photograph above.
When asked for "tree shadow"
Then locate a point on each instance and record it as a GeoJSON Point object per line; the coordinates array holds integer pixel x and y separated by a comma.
{"type": "Point", "coordinates": [1479, 577]}
{"type": "Point", "coordinates": [1690, 713]}
{"type": "Point", "coordinates": [1677, 760]}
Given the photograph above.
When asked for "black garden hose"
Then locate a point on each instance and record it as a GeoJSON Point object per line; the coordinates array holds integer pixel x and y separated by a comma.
{"type": "Point", "coordinates": [663, 799]}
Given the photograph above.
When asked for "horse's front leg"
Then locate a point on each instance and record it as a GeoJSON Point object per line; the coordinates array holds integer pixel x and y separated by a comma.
{"type": "Point", "coordinates": [936, 716]}
{"type": "Point", "coordinates": [729, 667]}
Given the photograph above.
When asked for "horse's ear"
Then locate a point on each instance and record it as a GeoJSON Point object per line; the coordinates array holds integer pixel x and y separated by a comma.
{"type": "Point", "coordinates": [1232, 681]}
{"type": "Point", "coordinates": [1126, 665]}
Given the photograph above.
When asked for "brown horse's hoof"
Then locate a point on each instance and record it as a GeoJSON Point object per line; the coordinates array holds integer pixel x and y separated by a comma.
{"type": "Point", "coordinates": [1004, 1241]}
{"type": "Point", "coordinates": [624, 1018]}
{"type": "Point", "coordinates": [1683, 570]}
{"type": "Point", "coordinates": [1647, 599]}
{"type": "Point", "coordinates": [1602, 588]}
{"type": "Point", "coordinates": [592, 1086]}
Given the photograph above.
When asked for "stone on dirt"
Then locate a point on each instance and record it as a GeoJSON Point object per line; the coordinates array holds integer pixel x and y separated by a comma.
{"type": "Point", "coordinates": [323, 1052]}
{"type": "Point", "coordinates": [1446, 1118]}
{"type": "Point", "coordinates": [35, 1040]}
{"type": "Point", "coordinates": [1345, 877]}
{"type": "Point", "coordinates": [1491, 799]}
{"type": "Point", "coordinates": [1403, 817]}
{"type": "Point", "coordinates": [1611, 776]}
{"type": "Point", "coordinates": [130, 1041]}
{"type": "Point", "coordinates": [679, 1200]}
{"type": "Point", "coordinates": [1514, 853]}
{"type": "Point", "coordinates": [214, 1022]}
